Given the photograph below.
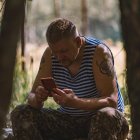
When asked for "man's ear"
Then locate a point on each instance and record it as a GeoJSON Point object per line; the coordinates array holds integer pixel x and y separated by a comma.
{"type": "Point", "coordinates": [78, 41]}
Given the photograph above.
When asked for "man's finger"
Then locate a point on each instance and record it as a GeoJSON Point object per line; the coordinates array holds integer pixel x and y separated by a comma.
{"type": "Point", "coordinates": [56, 97]}
{"type": "Point", "coordinates": [58, 91]}
{"type": "Point", "coordinates": [67, 90]}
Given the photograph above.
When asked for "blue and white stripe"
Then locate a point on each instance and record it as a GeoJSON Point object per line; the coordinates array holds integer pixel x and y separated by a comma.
{"type": "Point", "coordinates": [83, 83]}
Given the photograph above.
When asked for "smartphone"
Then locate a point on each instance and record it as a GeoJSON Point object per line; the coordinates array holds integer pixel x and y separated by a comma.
{"type": "Point", "coordinates": [48, 83]}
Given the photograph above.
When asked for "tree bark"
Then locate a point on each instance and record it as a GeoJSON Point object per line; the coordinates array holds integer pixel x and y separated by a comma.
{"type": "Point", "coordinates": [130, 21]}
{"type": "Point", "coordinates": [9, 37]}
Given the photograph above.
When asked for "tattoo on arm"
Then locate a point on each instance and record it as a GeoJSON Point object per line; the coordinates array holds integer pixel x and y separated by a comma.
{"type": "Point", "coordinates": [106, 66]}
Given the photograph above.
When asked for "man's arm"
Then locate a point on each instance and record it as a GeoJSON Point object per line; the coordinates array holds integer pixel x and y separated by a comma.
{"type": "Point", "coordinates": [44, 71]}
{"type": "Point", "coordinates": [105, 79]}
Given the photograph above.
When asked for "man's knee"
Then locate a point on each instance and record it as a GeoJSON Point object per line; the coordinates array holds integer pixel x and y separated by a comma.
{"type": "Point", "coordinates": [107, 118]}
{"type": "Point", "coordinates": [107, 111]}
{"type": "Point", "coordinates": [113, 115]}
{"type": "Point", "coordinates": [22, 113]}
{"type": "Point", "coordinates": [23, 117]}
{"type": "Point", "coordinates": [109, 121]}
{"type": "Point", "coordinates": [18, 111]}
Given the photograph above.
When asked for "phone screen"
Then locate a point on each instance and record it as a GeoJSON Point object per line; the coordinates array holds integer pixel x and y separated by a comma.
{"type": "Point", "coordinates": [48, 83]}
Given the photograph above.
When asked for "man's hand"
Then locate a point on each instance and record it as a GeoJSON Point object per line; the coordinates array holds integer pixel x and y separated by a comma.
{"type": "Point", "coordinates": [36, 99]}
{"type": "Point", "coordinates": [41, 94]}
{"type": "Point", "coordinates": [65, 97]}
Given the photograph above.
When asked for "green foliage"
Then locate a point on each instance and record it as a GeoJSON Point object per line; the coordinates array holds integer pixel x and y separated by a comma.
{"type": "Point", "coordinates": [127, 113]}
{"type": "Point", "coordinates": [21, 85]}
{"type": "Point", "coordinates": [124, 89]}
{"type": "Point", "coordinates": [50, 103]}
{"type": "Point", "coordinates": [125, 95]}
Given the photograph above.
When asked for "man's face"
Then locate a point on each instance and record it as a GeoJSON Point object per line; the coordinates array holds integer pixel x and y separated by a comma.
{"type": "Point", "coordinates": [65, 51]}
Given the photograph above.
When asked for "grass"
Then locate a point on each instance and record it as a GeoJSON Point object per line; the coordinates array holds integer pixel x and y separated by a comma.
{"type": "Point", "coordinates": [50, 103]}
{"type": "Point", "coordinates": [127, 116]}
{"type": "Point", "coordinates": [21, 86]}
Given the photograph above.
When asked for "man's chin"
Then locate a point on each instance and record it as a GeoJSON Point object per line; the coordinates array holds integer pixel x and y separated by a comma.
{"type": "Point", "coordinates": [66, 64]}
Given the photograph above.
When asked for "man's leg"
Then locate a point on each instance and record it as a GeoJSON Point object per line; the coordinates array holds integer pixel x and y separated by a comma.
{"type": "Point", "coordinates": [32, 124]}
{"type": "Point", "coordinates": [24, 123]}
{"type": "Point", "coordinates": [108, 124]}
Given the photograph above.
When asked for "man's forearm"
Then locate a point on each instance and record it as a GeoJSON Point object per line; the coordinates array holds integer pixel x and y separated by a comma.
{"type": "Point", "coordinates": [33, 102]}
{"type": "Point", "coordinates": [93, 103]}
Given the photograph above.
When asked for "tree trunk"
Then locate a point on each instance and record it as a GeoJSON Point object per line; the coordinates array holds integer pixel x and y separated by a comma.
{"type": "Point", "coordinates": [9, 36]}
{"type": "Point", "coordinates": [84, 17]}
{"type": "Point", "coordinates": [56, 8]}
{"type": "Point", "coordinates": [130, 21]}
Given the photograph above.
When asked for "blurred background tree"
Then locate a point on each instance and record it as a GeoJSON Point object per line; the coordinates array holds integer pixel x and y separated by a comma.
{"type": "Point", "coordinates": [84, 17]}
{"type": "Point", "coordinates": [57, 6]}
{"type": "Point", "coordinates": [98, 18]}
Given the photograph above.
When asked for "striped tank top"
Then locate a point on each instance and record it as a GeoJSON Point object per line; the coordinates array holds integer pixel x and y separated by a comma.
{"type": "Point", "coordinates": [83, 83]}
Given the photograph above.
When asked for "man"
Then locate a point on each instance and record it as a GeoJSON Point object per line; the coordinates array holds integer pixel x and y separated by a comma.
{"type": "Point", "coordinates": [87, 91]}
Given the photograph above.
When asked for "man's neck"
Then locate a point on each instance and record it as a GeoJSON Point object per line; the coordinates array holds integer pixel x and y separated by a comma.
{"type": "Point", "coordinates": [81, 48]}
{"type": "Point", "coordinates": [79, 57]}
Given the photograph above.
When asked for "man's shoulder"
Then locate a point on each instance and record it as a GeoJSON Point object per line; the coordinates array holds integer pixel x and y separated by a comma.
{"type": "Point", "coordinates": [102, 52]}
{"type": "Point", "coordinates": [46, 57]}
{"type": "Point", "coordinates": [92, 41]}
{"type": "Point", "coordinates": [100, 47]}
{"type": "Point", "coordinates": [47, 52]}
